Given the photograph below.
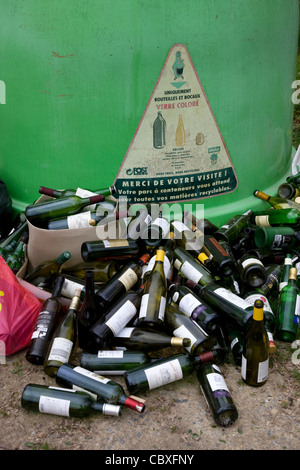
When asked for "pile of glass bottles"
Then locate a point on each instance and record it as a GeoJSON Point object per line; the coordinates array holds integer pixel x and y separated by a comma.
{"type": "Point", "coordinates": [175, 295]}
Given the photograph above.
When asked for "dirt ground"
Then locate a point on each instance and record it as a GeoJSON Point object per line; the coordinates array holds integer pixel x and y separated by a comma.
{"type": "Point", "coordinates": [176, 416]}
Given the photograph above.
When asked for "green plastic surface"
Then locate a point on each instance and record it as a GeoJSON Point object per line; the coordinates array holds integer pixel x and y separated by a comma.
{"type": "Point", "coordinates": [78, 76]}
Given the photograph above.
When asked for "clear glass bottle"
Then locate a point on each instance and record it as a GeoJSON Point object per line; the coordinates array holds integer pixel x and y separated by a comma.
{"type": "Point", "coordinates": [44, 274]}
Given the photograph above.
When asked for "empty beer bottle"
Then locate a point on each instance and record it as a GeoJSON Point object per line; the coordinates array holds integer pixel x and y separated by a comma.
{"type": "Point", "coordinates": [217, 394]}
{"type": "Point", "coordinates": [64, 402]}
{"type": "Point", "coordinates": [45, 326]}
{"type": "Point", "coordinates": [153, 303]}
{"type": "Point", "coordinates": [65, 339]}
{"type": "Point", "coordinates": [289, 309]}
{"type": "Point", "coordinates": [105, 389]}
{"type": "Point", "coordinates": [255, 357]}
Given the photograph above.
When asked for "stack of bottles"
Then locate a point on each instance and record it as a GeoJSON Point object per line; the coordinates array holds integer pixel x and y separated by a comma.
{"type": "Point", "coordinates": [175, 296]}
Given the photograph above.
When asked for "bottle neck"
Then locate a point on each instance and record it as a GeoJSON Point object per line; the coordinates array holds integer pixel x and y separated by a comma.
{"type": "Point", "coordinates": [160, 255]}
{"type": "Point", "coordinates": [261, 195]}
{"type": "Point", "coordinates": [132, 403]}
{"type": "Point", "coordinates": [258, 314]}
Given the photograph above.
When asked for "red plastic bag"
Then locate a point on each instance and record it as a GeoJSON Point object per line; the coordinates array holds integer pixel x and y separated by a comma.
{"type": "Point", "coordinates": [19, 310]}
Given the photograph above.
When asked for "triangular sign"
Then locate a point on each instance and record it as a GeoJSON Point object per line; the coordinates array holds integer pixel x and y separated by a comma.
{"type": "Point", "coordinates": [177, 152]}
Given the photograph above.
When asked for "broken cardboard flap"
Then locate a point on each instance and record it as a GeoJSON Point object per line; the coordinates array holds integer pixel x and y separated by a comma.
{"type": "Point", "coordinates": [177, 152]}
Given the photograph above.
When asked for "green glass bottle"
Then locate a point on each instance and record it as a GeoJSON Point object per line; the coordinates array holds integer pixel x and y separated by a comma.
{"type": "Point", "coordinates": [45, 326]}
{"type": "Point", "coordinates": [285, 271]}
{"type": "Point", "coordinates": [16, 258]}
{"type": "Point", "coordinates": [255, 357]}
{"type": "Point", "coordinates": [204, 225]}
{"type": "Point", "coordinates": [40, 213]}
{"type": "Point", "coordinates": [153, 302]}
{"type": "Point", "coordinates": [115, 319]}
{"type": "Point", "coordinates": [77, 377]}
{"type": "Point", "coordinates": [288, 191]}
{"type": "Point", "coordinates": [65, 339]}
{"type": "Point", "coordinates": [277, 202]}
{"type": "Point", "coordinates": [44, 274]}
{"type": "Point", "coordinates": [195, 308]}
{"type": "Point", "coordinates": [275, 238]}
{"type": "Point", "coordinates": [114, 362]}
{"type": "Point", "coordinates": [74, 192]}
{"type": "Point", "coordinates": [64, 402]}
{"type": "Point", "coordinates": [223, 262]}
{"type": "Point", "coordinates": [180, 325]}
{"type": "Point", "coordinates": [217, 394]}
{"type": "Point", "coordinates": [295, 179]}
{"type": "Point", "coordinates": [123, 281]}
{"type": "Point", "coordinates": [289, 309]}
{"type": "Point", "coordinates": [103, 270]}
{"type": "Point", "coordinates": [10, 241]}
{"type": "Point", "coordinates": [83, 219]}
{"type": "Point", "coordinates": [230, 306]}
{"type": "Point", "coordinates": [147, 340]}
{"type": "Point", "coordinates": [190, 268]}
{"type": "Point", "coordinates": [163, 371]}
{"type": "Point", "coordinates": [277, 218]}
{"type": "Point", "coordinates": [252, 270]}
{"type": "Point", "coordinates": [231, 230]}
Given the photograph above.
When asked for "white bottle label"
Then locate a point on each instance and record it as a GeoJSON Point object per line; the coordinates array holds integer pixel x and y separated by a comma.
{"type": "Point", "coordinates": [180, 226]}
{"type": "Point", "coordinates": [250, 261]}
{"type": "Point", "coordinates": [188, 303]}
{"type": "Point", "coordinates": [69, 287]}
{"type": "Point", "coordinates": [262, 220]}
{"type": "Point", "coordinates": [86, 193]}
{"type": "Point", "coordinates": [216, 381]}
{"type": "Point", "coordinates": [128, 278]}
{"type": "Point", "coordinates": [91, 374]}
{"type": "Point", "coordinates": [125, 333]}
{"type": "Point", "coordinates": [110, 354]}
{"type": "Point", "coordinates": [60, 350]}
{"type": "Point", "coordinates": [163, 224]}
{"type": "Point", "coordinates": [80, 220]}
{"type": "Point", "coordinates": [231, 297]}
{"type": "Point", "coordinates": [183, 332]}
{"type": "Point", "coordinates": [188, 270]}
{"type": "Point", "coordinates": [253, 297]}
{"type": "Point", "coordinates": [164, 374]}
{"type": "Point", "coordinates": [122, 316]}
{"type": "Point", "coordinates": [167, 266]}
{"type": "Point", "coordinates": [54, 406]}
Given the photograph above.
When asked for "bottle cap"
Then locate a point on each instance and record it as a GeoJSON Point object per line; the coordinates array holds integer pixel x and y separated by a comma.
{"type": "Point", "coordinates": [293, 274]}
{"type": "Point", "coordinates": [261, 195]}
{"type": "Point", "coordinates": [160, 254]}
{"type": "Point", "coordinates": [258, 310]}
{"type": "Point", "coordinates": [203, 257]}
{"type": "Point", "coordinates": [135, 404]}
{"type": "Point", "coordinates": [175, 341]}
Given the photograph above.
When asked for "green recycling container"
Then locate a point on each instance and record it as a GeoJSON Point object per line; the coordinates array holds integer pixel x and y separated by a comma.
{"type": "Point", "coordinates": [171, 101]}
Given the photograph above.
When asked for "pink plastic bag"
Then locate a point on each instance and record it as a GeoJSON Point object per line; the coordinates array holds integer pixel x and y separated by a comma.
{"type": "Point", "coordinates": [19, 310]}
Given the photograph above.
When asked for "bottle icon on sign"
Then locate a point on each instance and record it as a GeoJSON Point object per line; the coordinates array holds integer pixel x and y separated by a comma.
{"type": "Point", "coordinates": [159, 132]}
{"type": "Point", "coordinates": [178, 66]}
{"type": "Point", "coordinates": [180, 133]}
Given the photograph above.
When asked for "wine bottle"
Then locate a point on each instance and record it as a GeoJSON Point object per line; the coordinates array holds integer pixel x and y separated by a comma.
{"type": "Point", "coordinates": [81, 220]}
{"type": "Point", "coordinates": [195, 308]}
{"type": "Point", "coordinates": [65, 340]}
{"type": "Point", "coordinates": [114, 362]}
{"type": "Point", "coordinates": [223, 262]}
{"type": "Point", "coordinates": [74, 192]}
{"type": "Point", "coordinates": [285, 271]}
{"type": "Point", "coordinates": [16, 258]}
{"type": "Point", "coordinates": [252, 270]}
{"type": "Point", "coordinates": [277, 218]}
{"type": "Point", "coordinates": [64, 402]}
{"type": "Point", "coordinates": [168, 259]}
{"type": "Point", "coordinates": [44, 274]}
{"type": "Point", "coordinates": [45, 326]}
{"type": "Point", "coordinates": [180, 325]}
{"type": "Point", "coordinates": [158, 228]}
{"type": "Point", "coordinates": [77, 377]}
{"type": "Point", "coordinates": [288, 191]}
{"type": "Point", "coordinates": [275, 238]}
{"type": "Point", "coordinates": [103, 270]}
{"type": "Point", "coordinates": [230, 306]}
{"type": "Point", "coordinates": [289, 309]}
{"type": "Point", "coordinates": [255, 357]}
{"type": "Point", "coordinates": [269, 317]}
{"type": "Point", "coordinates": [277, 202]}
{"type": "Point", "coordinates": [115, 319]}
{"type": "Point", "coordinates": [121, 282]}
{"type": "Point", "coordinates": [147, 340]}
{"type": "Point", "coordinates": [153, 302]}
{"type": "Point", "coordinates": [89, 312]}
{"type": "Point", "coordinates": [204, 225]}
{"type": "Point", "coordinates": [217, 394]}
{"type": "Point", "coordinates": [230, 231]}
{"type": "Point", "coordinates": [163, 371]}
{"type": "Point", "coordinates": [236, 342]}
{"type": "Point", "coordinates": [190, 268]}
{"type": "Point", "coordinates": [40, 213]}
{"type": "Point", "coordinates": [108, 249]}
